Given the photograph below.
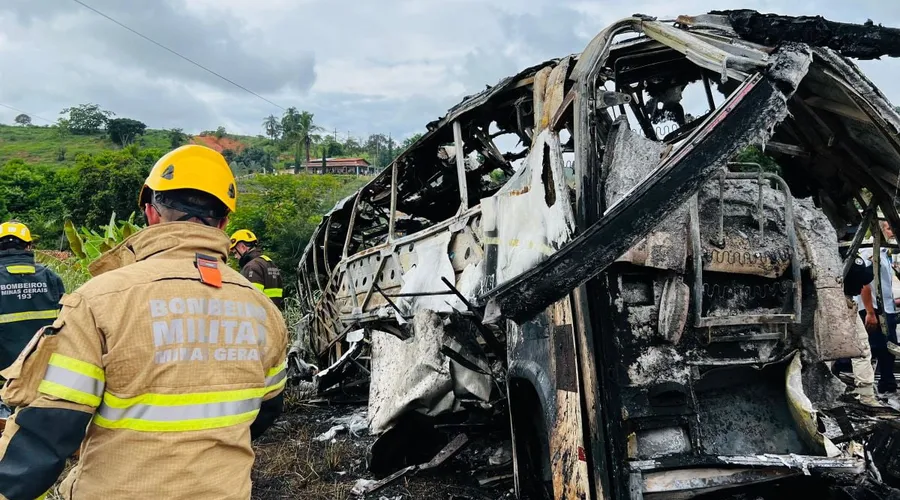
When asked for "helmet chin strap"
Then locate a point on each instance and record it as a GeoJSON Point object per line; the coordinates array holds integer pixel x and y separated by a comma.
{"type": "Point", "coordinates": [189, 216]}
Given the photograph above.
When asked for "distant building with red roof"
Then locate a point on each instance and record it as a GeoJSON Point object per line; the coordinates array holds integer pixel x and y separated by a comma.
{"type": "Point", "coordinates": [344, 166]}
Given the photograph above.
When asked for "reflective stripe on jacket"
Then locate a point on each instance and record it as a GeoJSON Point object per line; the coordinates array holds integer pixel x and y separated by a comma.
{"type": "Point", "coordinates": [264, 274]}
{"type": "Point", "coordinates": [29, 299]}
{"type": "Point", "coordinates": [173, 372]}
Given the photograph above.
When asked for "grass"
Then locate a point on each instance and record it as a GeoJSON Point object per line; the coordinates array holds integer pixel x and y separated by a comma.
{"type": "Point", "coordinates": [68, 268]}
{"type": "Point", "coordinates": [291, 464]}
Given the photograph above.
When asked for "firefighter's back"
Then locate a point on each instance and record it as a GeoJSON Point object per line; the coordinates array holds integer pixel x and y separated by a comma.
{"type": "Point", "coordinates": [186, 366]}
{"type": "Point", "coordinates": [29, 299]}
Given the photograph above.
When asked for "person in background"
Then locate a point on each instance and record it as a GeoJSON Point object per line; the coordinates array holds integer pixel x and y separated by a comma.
{"type": "Point", "coordinates": [857, 282]}
{"type": "Point", "coordinates": [256, 266]}
{"type": "Point", "coordinates": [29, 292]}
{"type": "Point", "coordinates": [871, 312]}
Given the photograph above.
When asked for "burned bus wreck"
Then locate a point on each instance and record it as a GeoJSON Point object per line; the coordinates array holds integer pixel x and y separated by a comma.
{"type": "Point", "coordinates": [590, 247]}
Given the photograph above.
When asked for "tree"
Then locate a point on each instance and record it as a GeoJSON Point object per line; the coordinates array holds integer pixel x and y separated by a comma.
{"type": "Point", "coordinates": [177, 137]}
{"type": "Point", "coordinates": [409, 141]}
{"type": "Point", "coordinates": [108, 181]}
{"type": "Point", "coordinates": [220, 132]}
{"type": "Point", "coordinates": [229, 155]}
{"type": "Point", "coordinates": [331, 147]}
{"type": "Point", "coordinates": [250, 160]}
{"type": "Point", "coordinates": [86, 118]}
{"type": "Point", "coordinates": [23, 120]}
{"type": "Point", "coordinates": [298, 128]}
{"type": "Point", "coordinates": [290, 123]}
{"type": "Point", "coordinates": [352, 146]}
{"type": "Point", "coordinates": [382, 149]}
{"type": "Point", "coordinates": [753, 154]}
{"type": "Point", "coordinates": [123, 131]}
{"type": "Point", "coordinates": [272, 127]}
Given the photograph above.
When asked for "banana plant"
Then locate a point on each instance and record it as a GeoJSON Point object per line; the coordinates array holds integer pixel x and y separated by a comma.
{"type": "Point", "coordinates": [89, 244]}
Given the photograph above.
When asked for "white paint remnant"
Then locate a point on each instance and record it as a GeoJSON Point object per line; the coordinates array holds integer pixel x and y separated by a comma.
{"type": "Point", "coordinates": [659, 364]}
{"type": "Point", "coordinates": [528, 228]}
{"type": "Point", "coordinates": [432, 264]}
{"type": "Point", "coordinates": [413, 375]}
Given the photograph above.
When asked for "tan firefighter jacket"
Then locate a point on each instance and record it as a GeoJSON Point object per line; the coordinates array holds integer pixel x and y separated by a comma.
{"type": "Point", "coordinates": [173, 371]}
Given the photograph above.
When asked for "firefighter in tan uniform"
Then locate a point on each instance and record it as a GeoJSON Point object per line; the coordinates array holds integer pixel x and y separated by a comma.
{"type": "Point", "coordinates": [256, 266]}
{"type": "Point", "coordinates": [162, 368]}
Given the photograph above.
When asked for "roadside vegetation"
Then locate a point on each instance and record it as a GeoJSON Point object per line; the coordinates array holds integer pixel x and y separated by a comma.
{"type": "Point", "coordinates": [75, 182]}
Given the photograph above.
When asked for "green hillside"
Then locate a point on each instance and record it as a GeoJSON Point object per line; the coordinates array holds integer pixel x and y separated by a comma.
{"type": "Point", "coordinates": [46, 146]}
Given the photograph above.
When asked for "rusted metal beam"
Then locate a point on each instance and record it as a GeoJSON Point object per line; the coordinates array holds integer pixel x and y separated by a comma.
{"type": "Point", "coordinates": [642, 119]}
{"type": "Point", "coordinates": [563, 108]}
{"type": "Point", "coordinates": [709, 94]}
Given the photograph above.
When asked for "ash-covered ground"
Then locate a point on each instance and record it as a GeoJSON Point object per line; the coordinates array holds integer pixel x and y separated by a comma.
{"type": "Point", "coordinates": [299, 459]}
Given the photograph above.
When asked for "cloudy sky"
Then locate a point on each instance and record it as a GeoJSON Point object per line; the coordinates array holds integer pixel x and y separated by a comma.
{"type": "Point", "coordinates": [362, 66]}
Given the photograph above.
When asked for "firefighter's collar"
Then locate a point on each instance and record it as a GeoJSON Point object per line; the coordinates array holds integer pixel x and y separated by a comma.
{"type": "Point", "coordinates": [17, 255]}
{"type": "Point", "coordinates": [175, 239]}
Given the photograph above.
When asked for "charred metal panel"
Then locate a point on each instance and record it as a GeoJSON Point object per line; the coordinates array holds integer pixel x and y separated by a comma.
{"type": "Point", "coordinates": [564, 357]}
{"type": "Point", "coordinates": [869, 41]}
{"type": "Point", "coordinates": [634, 217]}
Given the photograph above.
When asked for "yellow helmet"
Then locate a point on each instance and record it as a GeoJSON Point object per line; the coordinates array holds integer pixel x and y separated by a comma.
{"type": "Point", "coordinates": [192, 167]}
{"type": "Point", "coordinates": [15, 229]}
{"type": "Point", "coordinates": [240, 235]}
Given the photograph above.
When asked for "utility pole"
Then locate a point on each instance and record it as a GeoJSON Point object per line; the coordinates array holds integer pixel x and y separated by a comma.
{"type": "Point", "coordinates": [375, 160]}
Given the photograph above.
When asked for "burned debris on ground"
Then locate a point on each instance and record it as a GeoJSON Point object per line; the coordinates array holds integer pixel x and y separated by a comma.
{"type": "Point", "coordinates": [574, 260]}
{"type": "Point", "coordinates": [322, 450]}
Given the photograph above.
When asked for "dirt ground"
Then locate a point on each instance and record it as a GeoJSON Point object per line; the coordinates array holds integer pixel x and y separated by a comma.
{"type": "Point", "coordinates": [292, 464]}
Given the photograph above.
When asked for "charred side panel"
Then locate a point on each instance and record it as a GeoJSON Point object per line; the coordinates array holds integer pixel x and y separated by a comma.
{"type": "Point", "coordinates": [636, 215]}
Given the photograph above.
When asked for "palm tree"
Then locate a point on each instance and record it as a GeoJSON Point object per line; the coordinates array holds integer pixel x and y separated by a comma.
{"type": "Point", "coordinates": [307, 130]}
{"type": "Point", "coordinates": [289, 122]}
{"type": "Point", "coordinates": [272, 126]}
{"type": "Point", "coordinates": [299, 128]}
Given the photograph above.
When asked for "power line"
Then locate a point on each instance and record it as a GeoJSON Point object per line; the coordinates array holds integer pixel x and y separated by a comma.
{"type": "Point", "coordinates": [195, 63]}
{"type": "Point", "coordinates": [25, 112]}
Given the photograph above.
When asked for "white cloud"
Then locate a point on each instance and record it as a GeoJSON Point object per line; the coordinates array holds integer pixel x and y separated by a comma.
{"type": "Point", "coordinates": [389, 66]}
